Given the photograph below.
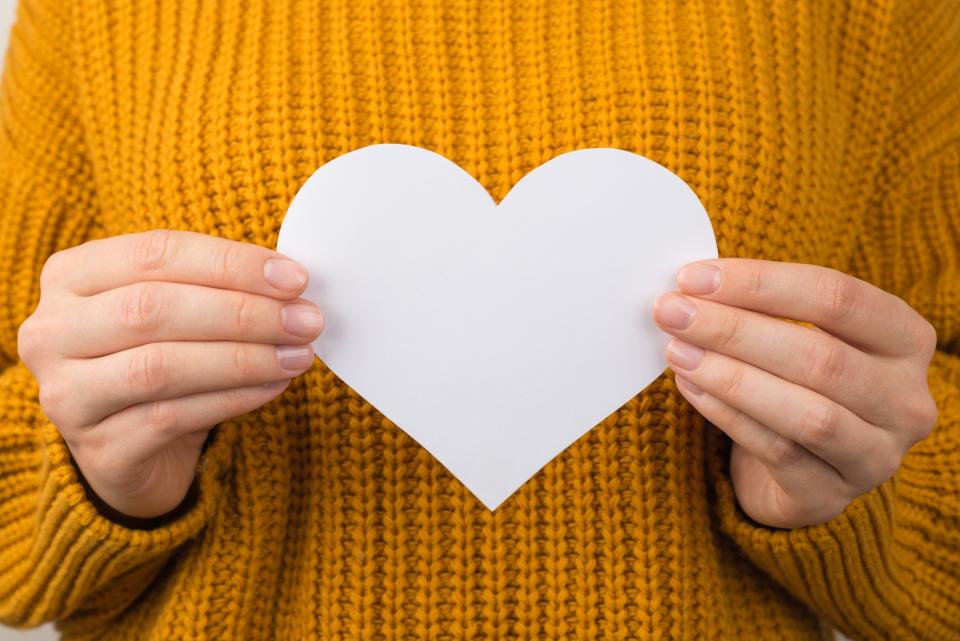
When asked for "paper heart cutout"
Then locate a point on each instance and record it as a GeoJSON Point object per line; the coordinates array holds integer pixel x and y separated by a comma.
{"type": "Point", "coordinates": [495, 336]}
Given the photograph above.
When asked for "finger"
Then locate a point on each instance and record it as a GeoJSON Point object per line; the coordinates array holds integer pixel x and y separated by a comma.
{"type": "Point", "coordinates": [793, 467]}
{"type": "Point", "coordinates": [159, 371]}
{"type": "Point", "coordinates": [846, 307]}
{"type": "Point", "coordinates": [154, 311]}
{"type": "Point", "coordinates": [858, 451]}
{"type": "Point", "coordinates": [815, 360]}
{"type": "Point", "coordinates": [766, 501]}
{"type": "Point", "coordinates": [148, 428]}
{"type": "Point", "coordinates": [174, 256]}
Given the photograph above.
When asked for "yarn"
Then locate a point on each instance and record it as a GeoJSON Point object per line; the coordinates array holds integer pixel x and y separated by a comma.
{"type": "Point", "coordinates": [819, 132]}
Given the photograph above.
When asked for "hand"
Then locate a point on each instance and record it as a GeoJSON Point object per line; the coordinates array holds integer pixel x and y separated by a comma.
{"type": "Point", "coordinates": [818, 416]}
{"type": "Point", "coordinates": [142, 343]}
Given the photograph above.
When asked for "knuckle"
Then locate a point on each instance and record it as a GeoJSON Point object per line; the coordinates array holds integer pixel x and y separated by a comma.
{"type": "Point", "coordinates": [841, 296]}
{"type": "Point", "coordinates": [818, 426]}
{"type": "Point", "coordinates": [52, 397]}
{"type": "Point", "coordinates": [141, 307]}
{"type": "Point", "coordinates": [733, 383]}
{"type": "Point", "coordinates": [931, 416]}
{"type": "Point", "coordinates": [226, 261]}
{"type": "Point", "coordinates": [151, 250]}
{"type": "Point", "coordinates": [885, 464]}
{"type": "Point", "coordinates": [822, 363]}
{"type": "Point", "coordinates": [243, 360]}
{"type": "Point", "coordinates": [245, 317]}
{"type": "Point", "coordinates": [756, 284]}
{"type": "Point", "coordinates": [147, 369]}
{"type": "Point", "coordinates": [729, 331]}
{"type": "Point", "coordinates": [53, 268]}
{"type": "Point", "coordinates": [30, 339]}
{"type": "Point", "coordinates": [729, 416]}
{"type": "Point", "coordinates": [160, 417]}
{"type": "Point", "coordinates": [784, 452]}
{"type": "Point", "coordinates": [926, 337]}
{"type": "Point", "coordinates": [921, 415]}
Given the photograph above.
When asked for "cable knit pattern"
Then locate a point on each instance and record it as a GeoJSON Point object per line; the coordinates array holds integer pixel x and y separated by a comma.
{"type": "Point", "coordinates": [820, 131]}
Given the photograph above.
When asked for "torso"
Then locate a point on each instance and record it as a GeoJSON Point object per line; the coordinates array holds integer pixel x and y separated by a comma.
{"type": "Point", "coordinates": [334, 524]}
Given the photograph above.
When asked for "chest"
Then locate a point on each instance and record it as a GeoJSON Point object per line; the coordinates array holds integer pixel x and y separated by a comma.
{"type": "Point", "coordinates": [209, 116]}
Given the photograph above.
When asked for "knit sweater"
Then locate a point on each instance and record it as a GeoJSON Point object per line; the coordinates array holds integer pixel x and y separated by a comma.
{"type": "Point", "coordinates": [823, 132]}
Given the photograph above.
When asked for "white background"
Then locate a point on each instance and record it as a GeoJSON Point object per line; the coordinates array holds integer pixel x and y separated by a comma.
{"type": "Point", "coordinates": [46, 633]}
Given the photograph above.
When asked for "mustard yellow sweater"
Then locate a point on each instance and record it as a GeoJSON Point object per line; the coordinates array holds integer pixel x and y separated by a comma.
{"type": "Point", "coordinates": [822, 131]}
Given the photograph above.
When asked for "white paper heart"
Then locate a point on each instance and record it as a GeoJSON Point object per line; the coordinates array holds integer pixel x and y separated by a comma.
{"type": "Point", "coordinates": [495, 336]}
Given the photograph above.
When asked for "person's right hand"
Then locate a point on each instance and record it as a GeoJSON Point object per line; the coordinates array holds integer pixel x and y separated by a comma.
{"type": "Point", "coordinates": [142, 343]}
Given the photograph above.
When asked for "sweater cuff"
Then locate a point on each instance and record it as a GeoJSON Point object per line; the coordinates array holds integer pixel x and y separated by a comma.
{"type": "Point", "coordinates": [56, 546]}
{"type": "Point", "coordinates": [840, 569]}
{"type": "Point", "coordinates": [880, 568]}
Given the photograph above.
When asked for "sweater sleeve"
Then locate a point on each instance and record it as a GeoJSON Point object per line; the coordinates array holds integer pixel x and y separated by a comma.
{"type": "Point", "coordinates": [60, 556]}
{"type": "Point", "coordinates": [889, 566]}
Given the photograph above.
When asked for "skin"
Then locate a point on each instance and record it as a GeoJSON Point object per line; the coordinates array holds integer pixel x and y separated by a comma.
{"type": "Point", "coordinates": [141, 343]}
{"type": "Point", "coordinates": [818, 416]}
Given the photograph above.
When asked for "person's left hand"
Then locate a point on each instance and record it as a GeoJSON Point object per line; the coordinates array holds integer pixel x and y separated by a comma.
{"type": "Point", "coordinates": [818, 416]}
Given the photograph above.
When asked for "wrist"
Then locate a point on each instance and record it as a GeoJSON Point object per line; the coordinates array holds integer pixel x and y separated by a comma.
{"type": "Point", "coordinates": [135, 522]}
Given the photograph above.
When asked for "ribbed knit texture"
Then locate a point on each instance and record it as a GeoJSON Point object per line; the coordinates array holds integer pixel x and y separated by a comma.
{"type": "Point", "coordinates": [825, 132]}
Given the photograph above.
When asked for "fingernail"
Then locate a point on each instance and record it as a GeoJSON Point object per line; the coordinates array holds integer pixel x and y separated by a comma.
{"type": "Point", "coordinates": [683, 354]}
{"type": "Point", "coordinates": [295, 357]}
{"type": "Point", "coordinates": [674, 310]}
{"type": "Point", "coordinates": [686, 385]}
{"type": "Point", "coordinates": [276, 386]}
{"type": "Point", "coordinates": [699, 278]}
{"type": "Point", "coordinates": [302, 320]}
{"type": "Point", "coordinates": [284, 274]}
